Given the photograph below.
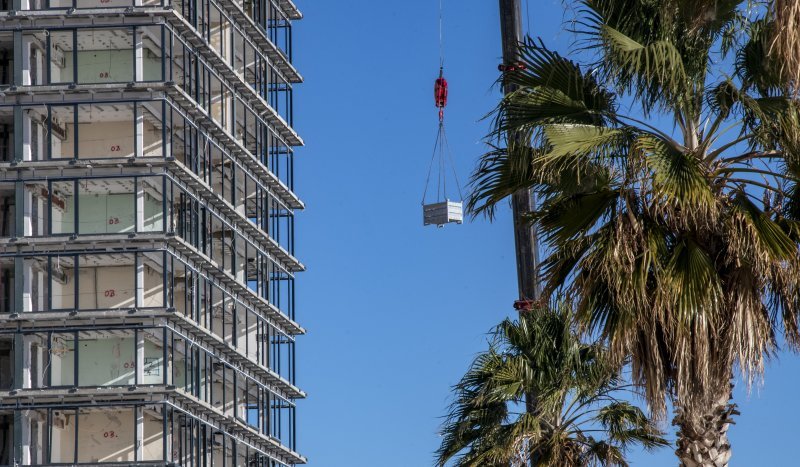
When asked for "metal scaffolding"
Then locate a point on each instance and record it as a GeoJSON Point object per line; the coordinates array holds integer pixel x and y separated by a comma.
{"type": "Point", "coordinates": [147, 257]}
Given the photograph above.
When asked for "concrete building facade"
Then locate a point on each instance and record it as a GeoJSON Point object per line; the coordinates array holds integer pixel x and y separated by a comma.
{"type": "Point", "coordinates": [147, 300]}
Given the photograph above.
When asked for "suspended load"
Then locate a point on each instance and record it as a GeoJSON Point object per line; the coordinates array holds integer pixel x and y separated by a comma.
{"type": "Point", "coordinates": [439, 214]}
{"type": "Point", "coordinates": [441, 210]}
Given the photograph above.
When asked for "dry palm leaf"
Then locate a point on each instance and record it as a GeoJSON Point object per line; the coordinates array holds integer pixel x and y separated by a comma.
{"type": "Point", "coordinates": [785, 48]}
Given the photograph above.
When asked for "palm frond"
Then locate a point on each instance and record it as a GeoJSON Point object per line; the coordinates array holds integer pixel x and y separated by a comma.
{"type": "Point", "coordinates": [500, 173]}
{"type": "Point", "coordinates": [693, 286]}
{"type": "Point", "coordinates": [628, 424]}
{"type": "Point", "coordinates": [537, 365]}
{"type": "Point", "coordinates": [678, 177]}
{"type": "Point", "coordinates": [764, 234]}
{"type": "Point", "coordinates": [785, 45]}
{"type": "Point", "coordinates": [645, 63]}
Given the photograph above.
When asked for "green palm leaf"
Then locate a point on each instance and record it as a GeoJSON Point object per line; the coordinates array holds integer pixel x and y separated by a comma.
{"type": "Point", "coordinates": [576, 392]}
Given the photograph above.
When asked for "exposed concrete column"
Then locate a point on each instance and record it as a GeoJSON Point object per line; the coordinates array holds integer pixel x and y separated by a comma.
{"type": "Point", "coordinates": [139, 432]}
{"type": "Point", "coordinates": [169, 448]}
{"type": "Point", "coordinates": [27, 353]}
{"type": "Point", "coordinates": [18, 50]}
{"type": "Point", "coordinates": [231, 123]}
{"type": "Point", "coordinates": [37, 150]}
{"type": "Point", "coordinates": [26, 138]}
{"type": "Point", "coordinates": [19, 212]}
{"type": "Point", "coordinates": [138, 54]}
{"type": "Point", "coordinates": [26, 62]}
{"type": "Point", "coordinates": [22, 438]}
{"type": "Point", "coordinates": [240, 270]}
{"type": "Point", "coordinates": [140, 358]}
{"type": "Point", "coordinates": [27, 291]}
{"type": "Point", "coordinates": [241, 202]}
{"type": "Point", "coordinates": [41, 72]}
{"type": "Point", "coordinates": [139, 143]}
{"type": "Point", "coordinates": [166, 140]}
{"type": "Point", "coordinates": [139, 287]}
{"type": "Point", "coordinates": [19, 116]}
{"type": "Point", "coordinates": [26, 200]}
{"type": "Point", "coordinates": [40, 302]}
{"type": "Point", "coordinates": [19, 274]}
{"type": "Point", "coordinates": [140, 209]}
{"type": "Point", "coordinates": [228, 41]}
{"type": "Point", "coordinates": [37, 377]}
{"type": "Point", "coordinates": [22, 429]}
{"type": "Point", "coordinates": [19, 361]}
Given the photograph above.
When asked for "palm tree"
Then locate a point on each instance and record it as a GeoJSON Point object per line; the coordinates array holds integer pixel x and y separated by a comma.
{"type": "Point", "coordinates": [577, 418]}
{"type": "Point", "coordinates": [666, 167]}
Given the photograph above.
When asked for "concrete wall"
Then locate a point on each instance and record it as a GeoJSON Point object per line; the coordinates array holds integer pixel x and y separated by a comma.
{"type": "Point", "coordinates": [108, 436]}
{"type": "Point", "coordinates": [93, 137]}
{"type": "Point", "coordinates": [105, 362]}
{"type": "Point", "coordinates": [114, 213]}
{"type": "Point", "coordinates": [104, 287]}
{"type": "Point", "coordinates": [94, 141]}
{"type": "Point", "coordinates": [153, 289]}
{"type": "Point", "coordinates": [109, 287]}
{"type": "Point", "coordinates": [102, 214]}
{"type": "Point", "coordinates": [112, 66]}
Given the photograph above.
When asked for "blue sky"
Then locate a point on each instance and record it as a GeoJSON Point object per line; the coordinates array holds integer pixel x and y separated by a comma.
{"type": "Point", "coordinates": [395, 311]}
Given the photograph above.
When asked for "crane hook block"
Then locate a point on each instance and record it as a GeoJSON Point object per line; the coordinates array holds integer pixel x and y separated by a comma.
{"type": "Point", "coordinates": [440, 91]}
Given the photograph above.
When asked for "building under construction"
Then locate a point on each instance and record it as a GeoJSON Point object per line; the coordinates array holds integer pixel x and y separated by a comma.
{"type": "Point", "coordinates": [147, 311]}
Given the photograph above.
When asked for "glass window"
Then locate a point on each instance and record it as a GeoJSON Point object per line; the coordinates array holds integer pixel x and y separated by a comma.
{"type": "Point", "coordinates": [153, 432]}
{"type": "Point", "coordinates": [62, 207]}
{"type": "Point", "coordinates": [152, 280]}
{"type": "Point", "coordinates": [107, 281]}
{"type": "Point", "coordinates": [60, 127]}
{"type": "Point", "coordinates": [149, 42]}
{"type": "Point", "coordinates": [36, 198]}
{"type": "Point", "coordinates": [153, 364]}
{"type": "Point", "coordinates": [150, 117]}
{"type": "Point", "coordinates": [61, 359]}
{"type": "Point", "coordinates": [62, 48]}
{"type": "Point", "coordinates": [150, 189]}
{"type": "Point", "coordinates": [115, 427]}
{"type": "Point", "coordinates": [106, 130]}
{"type": "Point", "coordinates": [62, 282]}
{"type": "Point", "coordinates": [107, 358]}
{"type": "Point", "coordinates": [106, 205]}
{"type": "Point", "coordinates": [63, 432]}
{"type": "Point", "coordinates": [105, 55]}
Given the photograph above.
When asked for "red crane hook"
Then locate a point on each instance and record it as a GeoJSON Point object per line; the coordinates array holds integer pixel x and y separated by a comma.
{"type": "Point", "coordinates": [440, 93]}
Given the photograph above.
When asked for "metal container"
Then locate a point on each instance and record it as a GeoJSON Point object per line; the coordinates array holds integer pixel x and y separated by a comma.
{"type": "Point", "coordinates": [443, 213]}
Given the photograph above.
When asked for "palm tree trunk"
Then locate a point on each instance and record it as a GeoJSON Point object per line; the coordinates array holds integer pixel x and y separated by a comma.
{"type": "Point", "coordinates": [703, 434]}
